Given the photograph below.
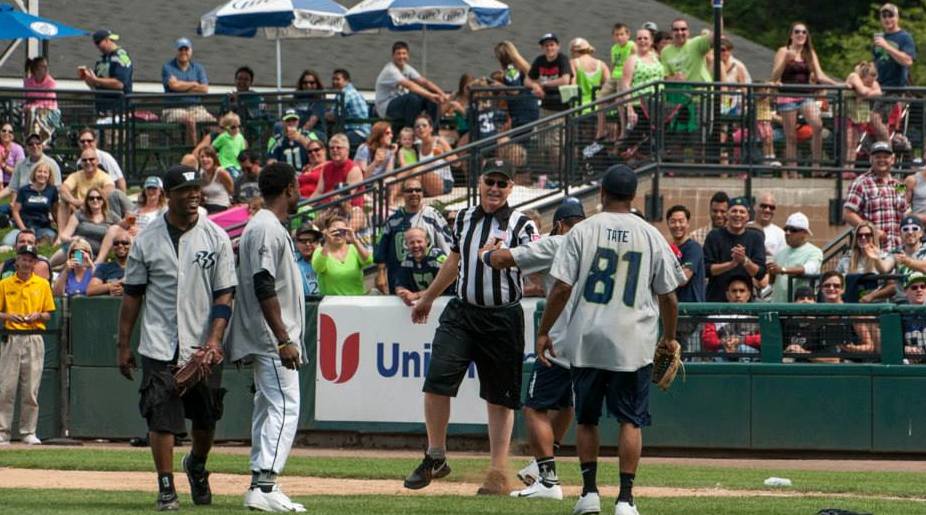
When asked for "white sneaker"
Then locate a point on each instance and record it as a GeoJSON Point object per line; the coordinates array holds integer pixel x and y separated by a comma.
{"type": "Point", "coordinates": [538, 490]}
{"type": "Point", "coordinates": [588, 503]}
{"type": "Point", "coordinates": [625, 508]}
{"type": "Point", "coordinates": [31, 440]}
{"type": "Point", "coordinates": [273, 501]}
{"type": "Point", "coordinates": [529, 474]}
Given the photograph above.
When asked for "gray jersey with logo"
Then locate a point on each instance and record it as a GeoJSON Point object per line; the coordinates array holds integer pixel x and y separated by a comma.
{"type": "Point", "coordinates": [537, 257]}
{"type": "Point", "coordinates": [179, 285]}
{"type": "Point", "coordinates": [266, 245]}
{"type": "Point", "coordinates": [616, 264]}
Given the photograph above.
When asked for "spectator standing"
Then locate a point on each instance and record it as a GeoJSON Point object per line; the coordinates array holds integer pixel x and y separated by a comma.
{"type": "Point", "coordinates": [307, 239]}
{"type": "Point", "coordinates": [797, 63]}
{"type": "Point", "coordinates": [290, 145]}
{"type": "Point", "coordinates": [108, 277]}
{"type": "Point", "coordinates": [86, 138]}
{"type": "Point", "coordinates": [391, 250]}
{"type": "Point", "coordinates": [590, 73]}
{"type": "Point", "coordinates": [718, 207]}
{"type": "Point", "coordinates": [231, 142]}
{"type": "Point", "coordinates": [78, 184]}
{"type": "Point", "coordinates": [691, 255]}
{"type": "Point", "coordinates": [377, 155]}
{"type": "Point", "coordinates": [733, 337]}
{"type": "Point", "coordinates": [310, 105]}
{"type": "Point", "coordinates": [774, 235]}
{"type": "Point", "coordinates": [339, 263]}
{"type": "Point", "coordinates": [419, 268]}
{"type": "Point", "coordinates": [402, 93]}
{"type": "Point", "coordinates": [35, 207]}
{"type": "Point", "coordinates": [355, 111]}
{"type": "Point", "coordinates": [11, 153]}
{"type": "Point", "coordinates": [23, 170]}
{"type": "Point", "coordinates": [548, 72]}
{"type": "Point", "coordinates": [894, 52]}
{"type": "Point", "coordinates": [183, 75]}
{"type": "Point", "coordinates": [798, 258]}
{"type": "Point", "coordinates": [111, 74]}
{"type": "Point", "coordinates": [878, 197]}
{"type": "Point", "coordinates": [42, 266]}
{"type": "Point", "coordinates": [218, 186]}
{"type": "Point", "coordinates": [439, 181]}
{"type": "Point", "coordinates": [25, 305]}
{"type": "Point", "coordinates": [41, 106]}
{"type": "Point", "coordinates": [78, 269]}
{"type": "Point", "coordinates": [244, 101]}
{"type": "Point", "coordinates": [733, 251]}
{"type": "Point", "coordinates": [863, 87]}
{"type": "Point", "coordinates": [522, 105]}
{"type": "Point", "coordinates": [641, 68]}
{"type": "Point", "coordinates": [684, 57]}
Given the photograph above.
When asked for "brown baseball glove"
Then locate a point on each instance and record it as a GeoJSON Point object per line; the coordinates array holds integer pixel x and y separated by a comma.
{"type": "Point", "coordinates": [666, 363]}
{"type": "Point", "coordinates": [196, 369]}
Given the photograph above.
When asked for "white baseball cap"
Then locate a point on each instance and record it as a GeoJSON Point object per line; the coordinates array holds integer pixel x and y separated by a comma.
{"type": "Point", "coordinates": [799, 220]}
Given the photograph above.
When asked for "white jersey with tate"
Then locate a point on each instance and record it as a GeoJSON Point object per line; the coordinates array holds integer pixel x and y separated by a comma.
{"type": "Point", "coordinates": [616, 264]}
{"type": "Point", "coordinates": [179, 285]}
{"type": "Point", "coordinates": [266, 246]}
{"type": "Point", "coordinates": [537, 257]}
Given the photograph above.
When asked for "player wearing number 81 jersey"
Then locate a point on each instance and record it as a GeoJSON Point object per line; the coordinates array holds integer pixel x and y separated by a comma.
{"type": "Point", "coordinates": [615, 276]}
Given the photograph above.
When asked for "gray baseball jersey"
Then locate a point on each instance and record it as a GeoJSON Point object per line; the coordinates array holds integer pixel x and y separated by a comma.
{"type": "Point", "coordinates": [179, 285]}
{"type": "Point", "coordinates": [537, 257]}
{"type": "Point", "coordinates": [265, 245]}
{"type": "Point", "coordinates": [616, 264]}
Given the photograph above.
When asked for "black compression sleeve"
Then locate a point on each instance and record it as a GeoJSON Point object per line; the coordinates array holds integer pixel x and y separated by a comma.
{"type": "Point", "coordinates": [134, 290]}
{"type": "Point", "coordinates": [264, 286]}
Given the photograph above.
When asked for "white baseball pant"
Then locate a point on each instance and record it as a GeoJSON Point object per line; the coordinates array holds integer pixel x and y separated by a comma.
{"type": "Point", "coordinates": [276, 414]}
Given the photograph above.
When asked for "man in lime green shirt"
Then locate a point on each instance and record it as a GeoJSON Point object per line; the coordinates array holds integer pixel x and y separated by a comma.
{"type": "Point", "coordinates": [684, 58]}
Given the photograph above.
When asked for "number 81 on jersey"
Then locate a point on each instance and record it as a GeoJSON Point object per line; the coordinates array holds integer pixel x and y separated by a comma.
{"type": "Point", "coordinates": [602, 276]}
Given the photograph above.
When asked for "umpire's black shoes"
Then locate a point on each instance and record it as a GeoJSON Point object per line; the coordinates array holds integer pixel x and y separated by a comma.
{"type": "Point", "coordinates": [428, 469]}
{"type": "Point", "coordinates": [199, 482]}
{"type": "Point", "coordinates": [168, 501]}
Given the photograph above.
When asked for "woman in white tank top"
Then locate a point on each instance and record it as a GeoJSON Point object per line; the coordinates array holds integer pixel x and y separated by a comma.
{"type": "Point", "coordinates": [218, 185]}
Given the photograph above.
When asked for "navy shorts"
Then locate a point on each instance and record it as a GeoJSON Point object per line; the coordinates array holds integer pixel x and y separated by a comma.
{"type": "Point", "coordinates": [626, 395]}
{"type": "Point", "coordinates": [492, 338]}
{"type": "Point", "coordinates": [165, 411]}
{"type": "Point", "coordinates": [549, 388]}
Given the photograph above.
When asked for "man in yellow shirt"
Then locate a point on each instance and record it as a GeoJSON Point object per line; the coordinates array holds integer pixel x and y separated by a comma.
{"type": "Point", "coordinates": [75, 187]}
{"type": "Point", "coordinates": [25, 305]}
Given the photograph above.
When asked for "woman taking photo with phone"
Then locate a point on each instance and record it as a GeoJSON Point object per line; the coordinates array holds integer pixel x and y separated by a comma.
{"type": "Point", "coordinates": [78, 269]}
{"type": "Point", "coordinates": [339, 263]}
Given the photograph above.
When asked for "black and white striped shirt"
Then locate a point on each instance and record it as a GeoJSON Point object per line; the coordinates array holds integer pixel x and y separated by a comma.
{"type": "Point", "coordinates": [477, 283]}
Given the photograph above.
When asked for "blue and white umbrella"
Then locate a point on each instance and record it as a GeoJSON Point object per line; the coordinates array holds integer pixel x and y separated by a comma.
{"type": "Point", "coordinates": [15, 24]}
{"type": "Point", "coordinates": [276, 19]}
{"type": "Point", "coordinates": [427, 15]}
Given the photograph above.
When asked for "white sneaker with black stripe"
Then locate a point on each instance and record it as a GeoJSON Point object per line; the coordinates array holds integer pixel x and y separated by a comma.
{"type": "Point", "coordinates": [272, 501]}
{"type": "Point", "coordinates": [529, 474]}
{"type": "Point", "coordinates": [539, 490]}
{"type": "Point", "coordinates": [588, 503]}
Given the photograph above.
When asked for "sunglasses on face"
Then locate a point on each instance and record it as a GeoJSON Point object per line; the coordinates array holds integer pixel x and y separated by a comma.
{"type": "Point", "coordinates": [306, 240]}
{"type": "Point", "coordinates": [86, 141]}
{"type": "Point", "coordinates": [831, 286]}
{"type": "Point", "coordinates": [793, 229]}
{"type": "Point", "coordinates": [6, 131]}
{"type": "Point", "coordinates": [887, 14]}
{"type": "Point", "coordinates": [122, 242]}
{"type": "Point", "coordinates": [770, 207]}
{"type": "Point", "coordinates": [864, 235]}
{"type": "Point", "coordinates": [315, 150]}
{"type": "Point", "coordinates": [910, 228]}
{"type": "Point", "coordinates": [799, 31]}
{"type": "Point", "coordinates": [89, 160]}
{"type": "Point", "coordinates": [230, 127]}
{"type": "Point", "coordinates": [501, 183]}
{"type": "Point", "coordinates": [94, 199]}
{"type": "Point", "coordinates": [917, 287]}
{"type": "Point", "coordinates": [412, 190]}
{"type": "Point", "coordinates": [34, 144]}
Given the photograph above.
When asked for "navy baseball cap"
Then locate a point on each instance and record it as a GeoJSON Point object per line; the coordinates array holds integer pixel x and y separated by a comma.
{"type": "Point", "coordinates": [290, 114]}
{"type": "Point", "coordinates": [740, 201]}
{"type": "Point", "coordinates": [620, 180]}
{"type": "Point", "coordinates": [184, 43]}
{"type": "Point", "coordinates": [102, 34]}
{"type": "Point", "coordinates": [911, 220]}
{"type": "Point", "coordinates": [499, 166]}
{"type": "Point", "coordinates": [570, 208]}
{"type": "Point", "coordinates": [180, 176]}
{"type": "Point", "coordinates": [881, 147]}
{"type": "Point", "coordinates": [28, 249]}
{"type": "Point", "coordinates": [549, 36]}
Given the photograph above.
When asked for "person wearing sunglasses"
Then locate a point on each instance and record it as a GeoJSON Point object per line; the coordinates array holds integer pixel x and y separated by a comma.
{"type": "Point", "coordinates": [311, 105]}
{"type": "Point", "coordinates": [78, 269]}
{"type": "Point", "coordinates": [107, 277]}
{"type": "Point", "coordinates": [11, 153]}
{"type": "Point", "coordinates": [391, 250]}
{"type": "Point", "coordinates": [76, 187]}
{"type": "Point", "coordinates": [904, 260]}
{"type": "Point", "coordinates": [86, 138]}
{"type": "Point", "coordinates": [291, 143]}
{"type": "Point", "coordinates": [91, 222]}
{"type": "Point", "coordinates": [231, 142]}
{"type": "Point", "coordinates": [112, 73]}
{"type": "Point", "coordinates": [914, 325]}
{"type": "Point", "coordinates": [22, 172]}
{"type": "Point", "coordinates": [798, 258]}
{"type": "Point", "coordinates": [893, 50]}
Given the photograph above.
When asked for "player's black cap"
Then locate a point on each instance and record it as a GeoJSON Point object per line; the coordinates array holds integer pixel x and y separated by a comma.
{"type": "Point", "coordinates": [28, 249]}
{"type": "Point", "coordinates": [180, 176]}
{"type": "Point", "coordinates": [499, 166]}
{"type": "Point", "coordinates": [570, 208]}
{"type": "Point", "coordinates": [620, 180]}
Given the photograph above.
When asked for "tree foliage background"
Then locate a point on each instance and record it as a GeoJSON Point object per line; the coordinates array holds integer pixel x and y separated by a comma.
{"type": "Point", "coordinates": [842, 30]}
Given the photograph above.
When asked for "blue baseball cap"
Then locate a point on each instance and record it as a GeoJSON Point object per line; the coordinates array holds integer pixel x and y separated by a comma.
{"type": "Point", "coordinates": [570, 208]}
{"type": "Point", "coordinates": [620, 180]}
{"type": "Point", "coordinates": [183, 43]}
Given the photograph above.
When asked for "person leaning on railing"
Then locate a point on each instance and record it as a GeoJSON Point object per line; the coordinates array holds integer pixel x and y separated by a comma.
{"type": "Point", "coordinates": [642, 68]}
{"type": "Point", "coordinates": [26, 304]}
{"type": "Point", "coordinates": [522, 107]}
{"type": "Point", "coordinates": [834, 334]}
{"type": "Point", "coordinates": [184, 75]}
{"type": "Point", "coordinates": [914, 324]}
{"type": "Point", "coordinates": [863, 86]}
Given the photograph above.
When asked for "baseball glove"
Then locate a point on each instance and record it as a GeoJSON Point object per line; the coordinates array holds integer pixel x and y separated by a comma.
{"type": "Point", "coordinates": [196, 369]}
{"type": "Point", "coordinates": [666, 363]}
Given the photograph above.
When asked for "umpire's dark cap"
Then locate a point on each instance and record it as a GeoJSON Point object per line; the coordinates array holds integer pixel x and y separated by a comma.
{"type": "Point", "coordinates": [180, 176]}
{"type": "Point", "coordinates": [620, 180]}
{"type": "Point", "coordinates": [570, 208]}
{"type": "Point", "coordinates": [499, 166]}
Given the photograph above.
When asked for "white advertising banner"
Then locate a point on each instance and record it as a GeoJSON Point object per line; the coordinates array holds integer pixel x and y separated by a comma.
{"type": "Point", "coordinates": [372, 361]}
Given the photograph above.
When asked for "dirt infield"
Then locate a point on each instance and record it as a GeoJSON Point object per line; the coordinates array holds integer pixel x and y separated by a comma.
{"type": "Point", "coordinates": [235, 484]}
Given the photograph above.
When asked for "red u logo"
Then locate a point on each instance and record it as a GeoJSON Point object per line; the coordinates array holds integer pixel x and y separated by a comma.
{"type": "Point", "coordinates": [328, 352]}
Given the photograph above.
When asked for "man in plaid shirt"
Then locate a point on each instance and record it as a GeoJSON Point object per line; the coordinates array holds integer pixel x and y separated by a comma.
{"type": "Point", "coordinates": [355, 108]}
{"type": "Point", "coordinates": [877, 197]}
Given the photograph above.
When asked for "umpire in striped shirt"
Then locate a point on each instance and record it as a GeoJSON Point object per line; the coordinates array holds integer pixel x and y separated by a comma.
{"type": "Point", "coordinates": [484, 324]}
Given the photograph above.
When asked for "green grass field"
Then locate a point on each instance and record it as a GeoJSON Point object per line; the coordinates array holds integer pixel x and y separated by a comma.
{"type": "Point", "coordinates": [867, 490]}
